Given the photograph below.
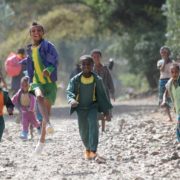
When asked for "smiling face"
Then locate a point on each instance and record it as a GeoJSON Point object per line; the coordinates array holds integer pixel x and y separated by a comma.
{"type": "Point", "coordinates": [36, 33]}
{"type": "Point", "coordinates": [87, 66]}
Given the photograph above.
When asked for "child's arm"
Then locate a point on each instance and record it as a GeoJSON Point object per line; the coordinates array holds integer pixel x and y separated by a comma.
{"type": "Point", "coordinates": [52, 58]}
{"type": "Point", "coordinates": [110, 84]}
{"type": "Point", "coordinates": [15, 98]}
{"type": "Point", "coordinates": [161, 64]}
{"type": "Point", "coordinates": [71, 96]}
{"type": "Point", "coordinates": [8, 103]}
{"type": "Point", "coordinates": [165, 95]}
{"type": "Point", "coordinates": [32, 103]}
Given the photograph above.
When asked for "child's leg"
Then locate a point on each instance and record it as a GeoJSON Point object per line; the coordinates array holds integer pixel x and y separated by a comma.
{"type": "Point", "coordinates": [33, 120]}
{"type": "Point", "coordinates": [44, 108]}
{"type": "Point", "coordinates": [25, 124]}
{"type": "Point", "coordinates": [33, 123]}
{"type": "Point", "coordinates": [167, 109]}
{"type": "Point", "coordinates": [31, 131]}
{"type": "Point", "coordinates": [38, 115]}
{"type": "Point", "coordinates": [2, 126]}
{"type": "Point", "coordinates": [83, 127]}
{"type": "Point", "coordinates": [44, 111]}
{"type": "Point", "coordinates": [103, 122]}
{"type": "Point", "coordinates": [93, 129]}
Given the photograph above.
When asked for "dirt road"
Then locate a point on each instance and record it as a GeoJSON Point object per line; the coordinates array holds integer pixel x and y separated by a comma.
{"type": "Point", "coordinates": [139, 143]}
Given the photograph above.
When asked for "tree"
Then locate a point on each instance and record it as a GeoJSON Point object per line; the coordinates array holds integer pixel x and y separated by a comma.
{"type": "Point", "coordinates": [172, 11]}
{"type": "Point", "coordinates": [142, 21]}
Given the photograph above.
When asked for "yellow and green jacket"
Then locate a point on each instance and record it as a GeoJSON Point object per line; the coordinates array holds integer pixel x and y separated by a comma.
{"type": "Point", "coordinates": [99, 95]}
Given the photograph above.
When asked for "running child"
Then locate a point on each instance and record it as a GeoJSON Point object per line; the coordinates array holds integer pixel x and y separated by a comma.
{"type": "Point", "coordinates": [26, 103]}
{"type": "Point", "coordinates": [42, 62]}
{"type": "Point", "coordinates": [87, 96]}
{"type": "Point", "coordinates": [173, 89]}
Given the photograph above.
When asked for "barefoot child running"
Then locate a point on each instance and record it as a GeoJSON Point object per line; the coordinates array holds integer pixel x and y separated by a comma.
{"type": "Point", "coordinates": [87, 96]}
{"type": "Point", "coordinates": [42, 62]}
{"type": "Point", "coordinates": [4, 100]}
{"type": "Point", "coordinates": [26, 102]}
{"type": "Point", "coordinates": [173, 89]}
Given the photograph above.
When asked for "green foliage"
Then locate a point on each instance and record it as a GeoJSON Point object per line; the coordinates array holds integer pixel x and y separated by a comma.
{"type": "Point", "coordinates": [60, 23]}
{"type": "Point", "coordinates": [128, 30]}
{"type": "Point", "coordinates": [141, 25]}
{"type": "Point", "coordinates": [137, 82]}
{"type": "Point", "coordinates": [172, 11]}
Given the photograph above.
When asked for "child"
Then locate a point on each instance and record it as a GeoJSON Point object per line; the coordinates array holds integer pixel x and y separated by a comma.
{"type": "Point", "coordinates": [16, 80]}
{"type": "Point", "coordinates": [164, 66]}
{"type": "Point", "coordinates": [87, 96]}
{"type": "Point", "coordinates": [4, 100]}
{"type": "Point", "coordinates": [26, 104]}
{"type": "Point", "coordinates": [42, 62]}
{"type": "Point", "coordinates": [105, 74]}
{"type": "Point", "coordinates": [173, 89]}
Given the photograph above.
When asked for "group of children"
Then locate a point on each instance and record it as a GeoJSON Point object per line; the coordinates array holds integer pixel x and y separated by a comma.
{"type": "Point", "coordinates": [88, 93]}
{"type": "Point", "coordinates": [169, 85]}
{"type": "Point", "coordinates": [41, 65]}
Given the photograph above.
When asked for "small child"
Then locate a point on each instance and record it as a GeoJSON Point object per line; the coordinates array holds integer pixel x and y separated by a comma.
{"type": "Point", "coordinates": [42, 63]}
{"type": "Point", "coordinates": [164, 65]}
{"type": "Point", "coordinates": [4, 100]}
{"type": "Point", "coordinates": [26, 102]}
{"type": "Point", "coordinates": [104, 73]}
{"type": "Point", "coordinates": [87, 96]}
{"type": "Point", "coordinates": [173, 89]}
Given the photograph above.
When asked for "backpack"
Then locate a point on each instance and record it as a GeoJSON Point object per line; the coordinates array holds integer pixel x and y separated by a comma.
{"type": "Point", "coordinates": [12, 65]}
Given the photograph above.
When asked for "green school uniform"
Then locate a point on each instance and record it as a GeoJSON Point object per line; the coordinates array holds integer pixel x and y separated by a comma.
{"type": "Point", "coordinates": [92, 99]}
{"type": "Point", "coordinates": [48, 88]}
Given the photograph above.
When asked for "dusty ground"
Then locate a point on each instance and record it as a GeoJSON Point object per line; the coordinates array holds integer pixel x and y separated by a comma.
{"type": "Point", "coordinates": [139, 144]}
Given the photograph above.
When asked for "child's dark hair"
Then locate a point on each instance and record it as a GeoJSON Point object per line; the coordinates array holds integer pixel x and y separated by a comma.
{"type": "Point", "coordinates": [175, 66]}
{"type": "Point", "coordinates": [36, 24]}
{"type": "Point", "coordinates": [96, 51]}
{"type": "Point", "coordinates": [25, 79]}
{"type": "Point", "coordinates": [21, 51]}
{"type": "Point", "coordinates": [86, 57]}
{"type": "Point", "coordinates": [166, 48]}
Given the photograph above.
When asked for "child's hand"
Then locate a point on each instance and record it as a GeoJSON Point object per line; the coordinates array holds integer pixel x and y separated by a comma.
{"type": "Point", "coordinates": [163, 104]}
{"type": "Point", "coordinates": [74, 103]}
{"type": "Point", "coordinates": [45, 73]}
{"type": "Point", "coordinates": [10, 111]}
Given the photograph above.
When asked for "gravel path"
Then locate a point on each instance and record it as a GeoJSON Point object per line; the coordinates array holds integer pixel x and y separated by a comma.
{"type": "Point", "coordinates": [139, 144]}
